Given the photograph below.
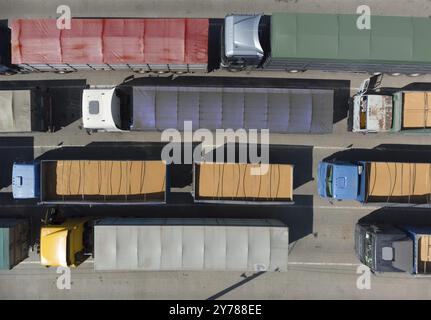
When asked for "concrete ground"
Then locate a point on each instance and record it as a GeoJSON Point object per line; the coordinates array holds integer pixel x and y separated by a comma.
{"type": "Point", "coordinates": [322, 263]}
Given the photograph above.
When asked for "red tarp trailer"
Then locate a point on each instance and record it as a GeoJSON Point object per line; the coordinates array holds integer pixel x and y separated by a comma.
{"type": "Point", "coordinates": [136, 44]}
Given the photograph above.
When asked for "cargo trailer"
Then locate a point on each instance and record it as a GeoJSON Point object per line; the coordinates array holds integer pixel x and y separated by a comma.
{"type": "Point", "coordinates": [140, 45]}
{"type": "Point", "coordinates": [25, 110]}
{"type": "Point", "coordinates": [190, 245]}
{"type": "Point", "coordinates": [234, 183]}
{"type": "Point", "coordinates": [91, 182]}
{"type": "Point", "coordinates": [14, 242]}
{"type": "Point", "coordinates": [393, 248]}
{"type": "Point", "coordinates": [376, 182]}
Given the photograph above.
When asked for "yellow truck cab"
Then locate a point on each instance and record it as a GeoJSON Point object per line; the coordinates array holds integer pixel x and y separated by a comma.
{"type": "Point", "coordinates": [65, 243]}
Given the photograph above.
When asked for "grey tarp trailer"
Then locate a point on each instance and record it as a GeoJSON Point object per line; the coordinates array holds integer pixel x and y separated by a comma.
{"type": "Point", "coordinates": [281, 110]}
{"type": "Point", "coordinates": [15, 110]}
{"type": "Point", "coordinates": [190, 244]}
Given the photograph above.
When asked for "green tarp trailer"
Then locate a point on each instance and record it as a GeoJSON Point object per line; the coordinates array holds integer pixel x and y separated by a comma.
{"type": "Point", "coordinates": [14, 242]}
{"type": "Point", "coordinates": [334, 42]}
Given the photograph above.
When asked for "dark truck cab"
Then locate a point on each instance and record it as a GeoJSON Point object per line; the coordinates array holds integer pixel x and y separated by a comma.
{"type": "Point", "coordinates": [388, 248]}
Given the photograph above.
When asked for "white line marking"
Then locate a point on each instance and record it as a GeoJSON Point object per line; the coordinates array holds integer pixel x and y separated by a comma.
{"type": "Point", "coordinates": [295, 263]}
{"type": "Point", "coordinates": [337, 264]}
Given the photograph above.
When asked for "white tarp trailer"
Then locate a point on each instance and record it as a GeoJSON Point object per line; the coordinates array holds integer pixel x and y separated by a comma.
{"type": "Point", "coordinates": [190, 244]}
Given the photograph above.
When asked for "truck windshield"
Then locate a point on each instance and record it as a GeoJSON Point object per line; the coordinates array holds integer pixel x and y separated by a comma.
{"type": "Point", "coordinates": [368, 249]}
{"type": "Point", "coordinates": [329, 192]}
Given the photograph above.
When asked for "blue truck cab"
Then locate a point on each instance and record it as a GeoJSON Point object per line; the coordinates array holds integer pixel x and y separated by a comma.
{"type": "Point", "coordinates": [341, 180]}
{"type": "Point", "coordinates": [25, 180]}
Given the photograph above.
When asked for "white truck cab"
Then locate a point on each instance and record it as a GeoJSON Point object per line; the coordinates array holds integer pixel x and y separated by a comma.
{"type": "Point", "coordinates": [101, 109]}
{"type": "Point", "coordinates": [372, 111]}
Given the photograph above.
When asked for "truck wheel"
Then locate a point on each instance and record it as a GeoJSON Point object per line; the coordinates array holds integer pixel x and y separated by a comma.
{"type": "Point", "coordinates": [232, 69]}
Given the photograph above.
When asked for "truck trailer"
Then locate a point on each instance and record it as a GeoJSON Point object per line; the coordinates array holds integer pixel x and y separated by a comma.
{"type": "Point", "coordinates": [282, 41]}
{"type": "Point", "coordinates": [91, 182]}
{"type": "Point", "coordinates": [156, 108]}
{"type": "Point", "coordinates": [389, 248]}
{"type": "Point", "coordinates": [376, 182]}
{"type": "Point", "coordinates": [383, 110]}
{"type": "Point", "coordinates": [14, 242]}
{"type": "Point", "coordinates": [25, 111]}
{"type": "Point", "coordinates": [234, 183]}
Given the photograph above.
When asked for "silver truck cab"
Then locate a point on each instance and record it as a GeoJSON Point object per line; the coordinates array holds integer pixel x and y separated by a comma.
{"type": "Point", "coordinates": [241, 46]}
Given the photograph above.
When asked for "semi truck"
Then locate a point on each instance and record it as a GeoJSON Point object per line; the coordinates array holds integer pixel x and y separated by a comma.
{"type": "Point", "coordinates": [142, 244]}
{"type": "Point", "coordinates": [235, 183]}
{"type": "Point", "coordinates": [156, 108]}
{"type": "Point", "coordinates": [390, 110]}
{"type": "Point", "coordinates": [390, 248]}
{"type": "Point", "coordinates": [91, 182]}
{"type": "Point", "coordinates": [282, 41]}
{"type": "Point", "coordinates": [375, 182]}
{"type": "Point", "coordinates": [14, 242]}
{"type": "Point", "coordinates": [25, 110]}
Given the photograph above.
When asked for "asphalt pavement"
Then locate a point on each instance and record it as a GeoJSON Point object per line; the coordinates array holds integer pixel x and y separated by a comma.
{"type": "Point", "coordinates": [322, 263]}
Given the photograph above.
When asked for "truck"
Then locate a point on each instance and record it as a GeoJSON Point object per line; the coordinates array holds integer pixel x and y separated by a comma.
{"type": "Point", "coordinates": [183, 244]}
{"type": "Point", "coordinates": [283, 41]}
{"type": "Point", "coordinates": [390, 110]}
{"type": "Point", "coordinates": [14, 242]}
{"type": "Point", "coordinates": [91, 182]}
{"type": "Point", "coordinates": [25, 111]}
{"type": "Point", "coordinates": [235, 183]}
{"type": "Point", "coordinates": [229, 104]}
{"type": "Point", "coordinates": [375, 182]}
{"type": "Point", "coordinates": [394, 248]}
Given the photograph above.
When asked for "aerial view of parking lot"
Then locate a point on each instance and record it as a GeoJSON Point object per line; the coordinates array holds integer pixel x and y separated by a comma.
{"type": "Point", "coordinates": [215, 150]}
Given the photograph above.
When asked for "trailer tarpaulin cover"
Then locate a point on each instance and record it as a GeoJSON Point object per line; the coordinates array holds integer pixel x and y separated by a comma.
{"type": "Point", "coordinates": [110, 41]}
{"type": "Point", "coordinates": [279, 110]}
{"type": "Point", "coordinates": [190, 244]}
{"type": "Point", "coordinates": [15, 111]}
{"type": "Point", "coordinates": [337, 37]}
{"type": "Point", "coordinates": [417, 110]}
{"type": "Point", "coordinates": [399, 182]}
{"type": "Point", "coordinates": [104, 179]}
{"type": "Point", "coordinates": [235, 181]}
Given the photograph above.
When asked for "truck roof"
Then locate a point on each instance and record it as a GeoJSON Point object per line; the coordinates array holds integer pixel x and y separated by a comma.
{"type": "Point", "coordinates": [98, 109]}
{"type": "Point", "coordinates": [277, 109]}
{"type": "Point", "coordinates": [111, 41]}
{"type": "Point", "coordinates": [398, 182]}
{"type": "Point", "coordinates": [390, 39]}
{"type": "Point", "coordinates": [15, 110]}
{"type": "Point", "coordinates": [24, 177]}
{"type": "Point", "coordinates": [103, 181]}
{"type": "Point", "coordinates": [190, 244]}
{"type": "Point", "coordinates": [416, 110]}
{"type": "Point", "coordinates": [235, 182]}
